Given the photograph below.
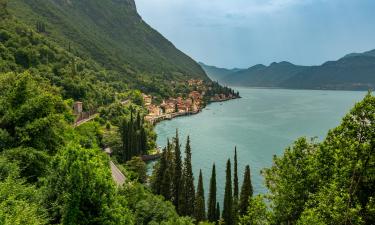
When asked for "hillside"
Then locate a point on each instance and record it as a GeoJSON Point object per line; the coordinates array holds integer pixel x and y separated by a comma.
{"type": "Point", "coordinates": [112, 33]}
{"type": "Point", "coordinates": [352, 72]}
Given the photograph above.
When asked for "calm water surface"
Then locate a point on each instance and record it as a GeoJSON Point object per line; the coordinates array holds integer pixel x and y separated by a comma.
{"type": "Point", "coordinates": [261, 124]}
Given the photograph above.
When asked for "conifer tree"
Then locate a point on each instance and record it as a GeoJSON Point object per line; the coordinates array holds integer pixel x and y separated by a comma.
{"type": "Point", "coordinates": [228, 198]}
{"type": "Point", "coordinates": [235, 188]}
{"type": "Point", "coordinates": [166, 186]}
{"type": "Point", "coordinates": [211, 215]}
{"type": "Point", "coordinates": [189, 190]}
{"type": "Point", "coordinates": [160, 172]}
{"type": "Point", "coordinates": [177, 173]}
{"type": "Point", "coordinates": [246, 192]}
{"type": "Point", "coordinates": [235, 175]}
{"type": "Point", "coordinates": [217, 214]}
{"type": "Point", "coordinates": [199, 208]}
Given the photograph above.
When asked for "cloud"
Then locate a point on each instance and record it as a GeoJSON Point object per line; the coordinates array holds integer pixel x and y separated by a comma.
{"type": "Point", "coordinates": [239, 33]}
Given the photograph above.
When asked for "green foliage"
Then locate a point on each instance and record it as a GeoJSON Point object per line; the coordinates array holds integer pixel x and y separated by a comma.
{"type": "Point", "coordinates": [80, 189]}
{"type": "Point", "coordinates": [19, 204]}
{"type": "Point", "coordinates": [138, 54]}
{"type": "Point", "coordinates": [32, 163]}
{"type": "Point", "coordinates": [211, 213]}
{"type": "Point", "coordinates": [246, 191]}
{"type": "Point", "coordinates": [228, 198]}
{"type": "Point", "coordinates": [330, 182]}
{"type": "Point", "coordinates": [291, 181]}
{"type": "Point", "coordinates": [188, 182]}
{"type": "Point", "coordinates": [235, 175]}
{"type": "Point", "coordinates": [133, 136]}
{"type": "Point", "coordinates": [138, 168]}
{"type": "Point", "coordinates": [90, 135]}
{"type": "Point", "coordinates": [199, 205]}
{"type": "Point", "coordinates": [257, 213]}
{"type": "Point", "coordinates": [151, 209]}
{"type": "Point", "coordinates": [32, 114]}
{"type": "Point", "coordinates": [177, 174]}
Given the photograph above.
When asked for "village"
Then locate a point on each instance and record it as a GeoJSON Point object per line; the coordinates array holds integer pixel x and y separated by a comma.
{"type": "Point", "coordinates": [174, 107]}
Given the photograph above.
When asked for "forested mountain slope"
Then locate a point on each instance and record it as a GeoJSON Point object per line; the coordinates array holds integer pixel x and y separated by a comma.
{"type": "Point", "coordinates": [352, 72]}
{"type": "Point", "coordinates": [110, 32]}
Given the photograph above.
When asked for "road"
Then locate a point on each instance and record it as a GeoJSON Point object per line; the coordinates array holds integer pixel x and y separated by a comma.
{"type": "Point", "coordinates": [78, 123]}
{"type": "Point", "coordinates": [117, 176]}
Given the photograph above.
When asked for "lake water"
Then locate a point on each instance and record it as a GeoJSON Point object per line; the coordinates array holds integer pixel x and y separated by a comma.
{"type": "Point", "coordinates": [261, 124]}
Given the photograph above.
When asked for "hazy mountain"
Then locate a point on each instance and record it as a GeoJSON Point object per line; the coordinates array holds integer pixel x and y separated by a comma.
{"type": "Point", "coordinates": [352, 72]}
{"type": "Point", "coordinates": [216, 73]}
{"type": "Point", "coordinates": [111, 32]}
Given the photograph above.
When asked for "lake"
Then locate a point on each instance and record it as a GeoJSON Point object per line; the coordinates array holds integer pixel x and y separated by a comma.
{"type": "Point", "coordinates": [261, 124]}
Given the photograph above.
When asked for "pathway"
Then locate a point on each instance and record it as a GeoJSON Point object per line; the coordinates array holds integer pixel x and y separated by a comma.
{"type": "Point", "coordinates": [117, 175]}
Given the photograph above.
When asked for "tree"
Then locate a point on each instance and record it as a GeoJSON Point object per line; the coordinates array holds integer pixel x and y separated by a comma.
{"type": "Point", "coordinates": [3, 7]}
{"type": "Point", "coordinates": [217, 214]}
{"type": "Point", "coordinates": [139, 169]}
{"type": "Point", "coordinates": [199, 208]}
{"type": "Point", "coordinates": [80, 189]}
{"type": "Point", "coordinates": [235, 175]}
{"type": "Point", "coordinates": [228, 198]}
{"type": "Point", "coordinates": [257, 214]}
{"type": "Point", "coordinates": [159, 170]}
{"type": "Point", "coordinates": [167, 178]}
{"type": "Point", "coordinates": [211, 215]}
{"type": "Point", "coordinates": [246, 192]}
{"type": "Point", "coordinates": [189, 190]}
{"type": "Point", "coordinates": [177, 173]}
{"type": "Point", "coordinates": [235, 188]}
{"type": "Point", "coordinates": [20, 204]}
{"type": "Point", "coordinates": [32, 114]}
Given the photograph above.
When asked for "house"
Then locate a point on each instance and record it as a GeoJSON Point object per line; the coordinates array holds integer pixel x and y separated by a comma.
{"type": "Point", "coordinates": [195, 95]}
{"type": "Point", "coordinates": [147, 99]}
{"type": "Point", "coordinates": [154, 110]}
{"type": "Point", "coordinates": [77, 108]}
{"type": "Point", "coordinates": [193, 82]}
{"type": "Point", "coordinates": [168, 106]}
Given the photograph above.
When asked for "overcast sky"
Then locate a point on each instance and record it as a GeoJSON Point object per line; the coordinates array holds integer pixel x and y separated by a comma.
{"type": "Point", "coordinates": [241, 33]}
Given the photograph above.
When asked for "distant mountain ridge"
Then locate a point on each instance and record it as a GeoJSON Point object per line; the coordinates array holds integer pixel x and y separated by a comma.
{"type": "Point", "coordinates": [354, 71]}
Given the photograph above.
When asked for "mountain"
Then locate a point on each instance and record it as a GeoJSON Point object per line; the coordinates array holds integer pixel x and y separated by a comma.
{"type": "Point", "coordinates": [368, 53]}
{"type": "Point", "coordinates": [112, 33]}
{"type": "Point", "coordinates": [352, 72]}
{"type": "Point", "coordinates": [216, 73]}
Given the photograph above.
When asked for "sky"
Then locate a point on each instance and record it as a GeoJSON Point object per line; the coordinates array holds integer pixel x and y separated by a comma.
{"type": "Point", "coordinates": [242, 33]}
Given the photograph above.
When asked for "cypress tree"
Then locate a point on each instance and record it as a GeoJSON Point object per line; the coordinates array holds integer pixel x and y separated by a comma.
{"type": "Point", "coordinates": [235, 175]}
{"type": "Point", "coordinates": [189, 190]}
{"type": "Point", "coordinates": [177, 173]}
{"type": "Point", "coordinates": [246, 191]}
{"type": "Point", "coordinates": [235, 188]}
{"type": "Point", "coordinates": [217, 214]}
{"type": "Point", "coordinates": [211, 216]}
{"type": "Point", "coordinates": [228, 198]}
{"type": "Point", "coordinates": [160, 172]}
{"type": "Point", "coordinates": [166, 186]}
{"type": "Point", "coordinates": [199, 208]}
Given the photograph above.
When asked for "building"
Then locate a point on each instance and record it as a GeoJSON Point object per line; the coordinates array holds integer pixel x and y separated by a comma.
{"type": "Point", "coordinates": [193, 82]}
{"type": "Point", "coordinates": [195, 95]}
{"type": "Point", "coordinates": [154, 110]}
{"type": "Point", "coordinates": [77, 108]}
{"type": "Point", "coordinates": [147, 99]}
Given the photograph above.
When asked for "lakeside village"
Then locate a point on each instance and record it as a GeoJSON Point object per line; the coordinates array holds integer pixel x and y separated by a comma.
{"type": "Point", "coordinates": [198, 94]}
{"type": "Point", "coordinates": [174, 107]}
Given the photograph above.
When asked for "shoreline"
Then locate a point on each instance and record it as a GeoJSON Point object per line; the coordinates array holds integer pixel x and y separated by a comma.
{"type": "Point", "coordinates": [171, 116]}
